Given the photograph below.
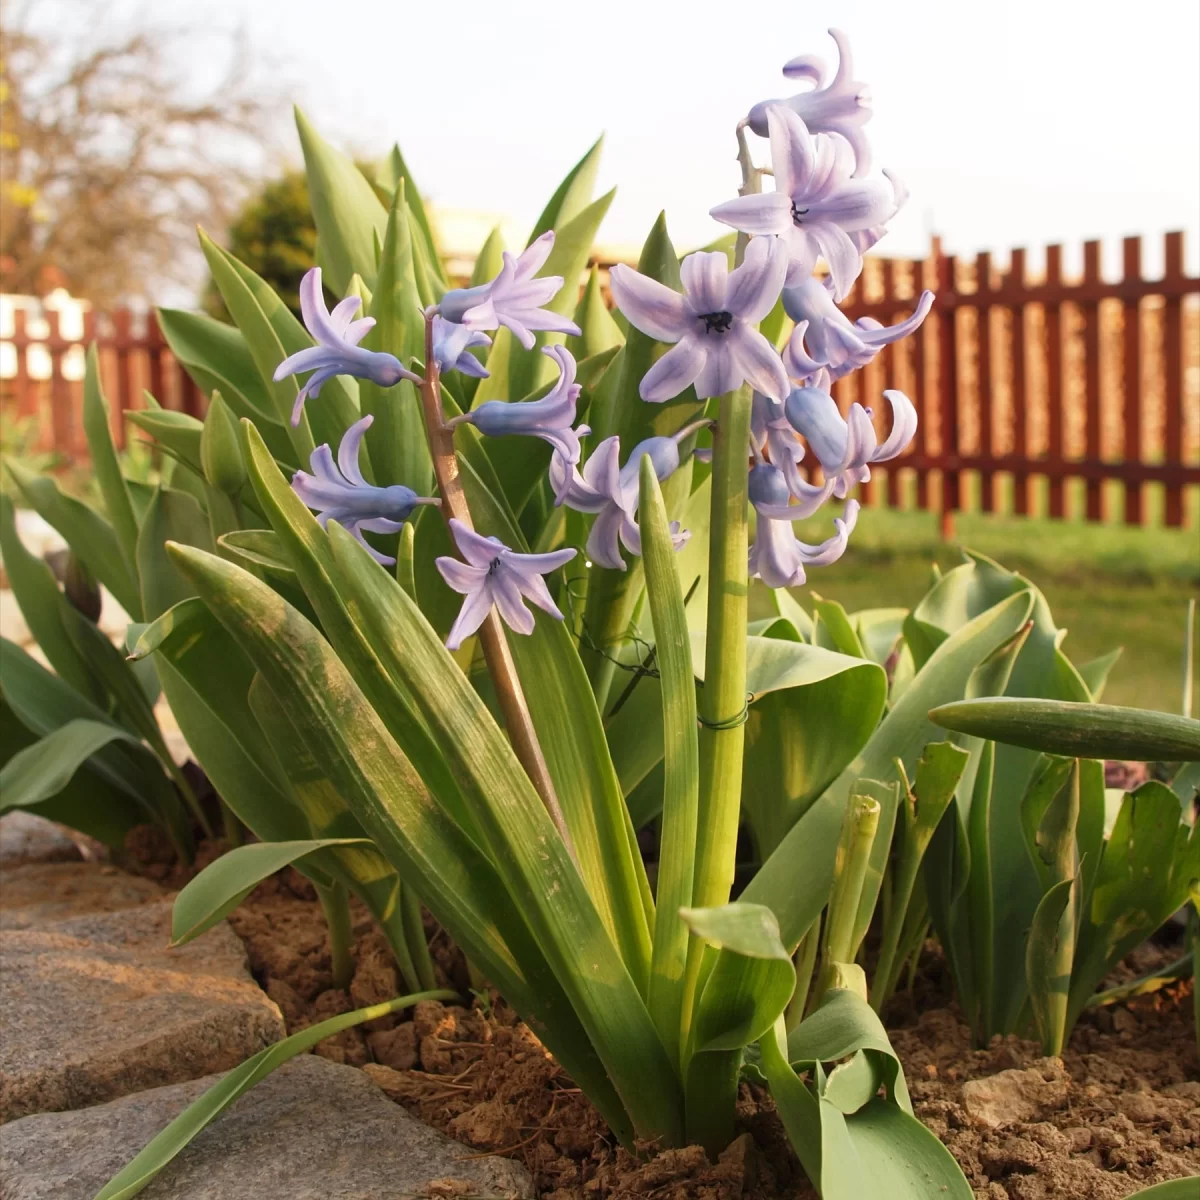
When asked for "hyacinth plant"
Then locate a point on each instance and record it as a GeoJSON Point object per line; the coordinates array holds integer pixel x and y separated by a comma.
{"type": "Point", "coordinates": [474, 598]}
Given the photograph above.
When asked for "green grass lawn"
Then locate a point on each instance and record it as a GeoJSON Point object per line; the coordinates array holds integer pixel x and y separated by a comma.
{"type": "Point", "coordinates": [1108, 585]}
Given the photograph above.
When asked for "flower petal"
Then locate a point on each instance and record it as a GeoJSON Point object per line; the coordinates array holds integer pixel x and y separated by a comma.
{"type": "Point", "coordinates": [904, 427]}
{"type": "Point", "coordinates": [679, 367]}
{"type": "Point", "coordinates": [461, 576]}
{"type": "Point", "coordinates": [478, 550]}
{"type": "Point", "coordinates": [507, 597]}
{"type": "Point", "coordinates": [473, 613]}
{"type": "Point", "coordinates": [721, 371]}
{"type": "Point", "coordinates": [767, 212]}
{"type": "Point", "coordinates": [705, 277]}
{"type": "Point", "coordinates": [602, 544]}
{"type": "Point", "coordinates": [650, 306]}
{"type": "Point", "coordinates": [840, 252]}
{"type": "Point", "coordinates": [348, 450]}
{"type": "Point", "coordinates": [754, 287]}
{"type": "Point", "coordinates": [814, 415]}
{"type": "Point", "coordinates": [758, 362]}
{"type": "Point", "coordinates": [793, 151]}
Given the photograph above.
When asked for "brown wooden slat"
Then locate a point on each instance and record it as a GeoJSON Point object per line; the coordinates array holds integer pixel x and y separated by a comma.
{"type": "Point", "coordinates": [1090, 311]}
{"type": "Point", "coordinates": [947, 394]}
{"type": "Point", "coordinates": [1173, 375]}
{"type": "Point", "coordinates": [1054, 388]}
{"type": "Point", "coordinates": [1016, 280]}
{"type": "Point", "coordinates": [983, 342]}
{"type": "Point", "coordinates": [1131, 352]}
{"type": "Point", "coordinates": [922, 387]}
{"type": "Point", "coordinates": [25, 388]}
{"type": "Point", "coordinates": [62, 422]}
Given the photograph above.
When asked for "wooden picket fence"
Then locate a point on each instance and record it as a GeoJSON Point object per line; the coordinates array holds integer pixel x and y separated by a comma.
{"type": "Point", "coordinates": [1024, 383]}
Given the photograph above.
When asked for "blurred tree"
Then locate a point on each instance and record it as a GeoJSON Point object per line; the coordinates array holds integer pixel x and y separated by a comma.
{"type": "Point", "coordinates": [111, 151]}
{"type": "Point", "coordinates": [274, 235]}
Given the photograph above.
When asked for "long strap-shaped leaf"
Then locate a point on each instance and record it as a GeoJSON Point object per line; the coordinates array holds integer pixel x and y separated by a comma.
{"type": "Point", "coordinates": [525, 846]}
{"type": "Point", "coordinates": [681, 768]}
{"type": "Point", "coordinates": [457, 881]}
{"type": "Point", "coordinates": [132, 1178]}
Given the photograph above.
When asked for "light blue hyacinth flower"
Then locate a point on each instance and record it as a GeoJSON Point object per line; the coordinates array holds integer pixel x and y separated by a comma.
{"type": "Point", "coordinates": [825, 338]}
{"type": "Point", "coordinates": [549, 418]}
{"type": "Point", "coordinates": [495, 576]}
{"type": "Point", "coordinates": [842, 106]}
{"type": "Point", "coordinates": [514, 299]}
{"type": "Point", "coordinates": [778, 557]}
{"type": "Point", "coordinates": [713, 323]}
{"type": "Point", "coordinates": [451, 346]}
{"type": "Point", "coordinates": [338, 492]}
{"type": "Point", "coordinates": [848, 446]}
{"type": "Point", "coordinates": [611, 492]}
{"type": "Point", "coordinates": [337, 351]}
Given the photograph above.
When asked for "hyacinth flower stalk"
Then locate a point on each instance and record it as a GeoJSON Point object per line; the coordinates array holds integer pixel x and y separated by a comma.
{"type": "Point", "coordinates": [496, 650]}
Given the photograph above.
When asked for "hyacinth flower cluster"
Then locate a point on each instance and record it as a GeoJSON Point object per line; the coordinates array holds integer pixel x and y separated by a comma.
{"type": "Point", "coordinates": [824, 208]}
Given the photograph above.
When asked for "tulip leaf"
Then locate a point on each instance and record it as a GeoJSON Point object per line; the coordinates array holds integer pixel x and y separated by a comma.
{"type": "Point", "coordinates": [201, 1113]}
{"type": "Point", "coordinates": [213, 894]}
{"type": "Point", "coordinates": [107, 468]}
{"type": "Point", "coordinates": [348, 214]}
{"type": "Point", "coordinates": [1076, 729]}
{"type": "Point", "coordinates": [41, 604]}
{"type": "Point", "coordinates": [88, 534]}
{"type": "Point", "coordinates": [43, 769]}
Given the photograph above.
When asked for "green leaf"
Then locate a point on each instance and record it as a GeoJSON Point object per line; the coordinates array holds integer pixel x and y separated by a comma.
{"type": "Point", "coordinates": [263, 341]}
{"type": "Point", "coordinates": [346, 210]}
{"type": "Point", "coordinates": [88, 534]}
{"type": "Point", "coordinates": [834, 629]}
{"type": "Point", "coordinates": [681, 776]}
{"type": "Point", "coordinates": [1173, 1189]}
{"type": "Point", "coordinates": [797, 897]}
{"type": "Point", "coordinates": [45, 768]}
{"type": "Point", "coordinates": [206, 678]}
{"type": "Point", "coordinates": [746, 929]}
{"type": "Point", "coordinates": [259, 548]}
{"type": "Point", "coordinates": [225, 883]}
{"type": "Point", "coordinates": [1096, 672]}
{"type": "Point", "coordinates": [1048, 963]}
{"type": "Point", "coordinates": [171, 517]}
{"type": "Point", "coordinates": [41, 604]}
{"type": "Point", "coordinates": [458, 883]}
{"type": "Point", "coordinates": [399, 171]}
{"type": "Point", "coordinates": [180, 434]}
{"type": "Point", "coordinates": [571, 196]}
{"type": "Point", "coordinates": [599, 331]}
{"type": "Point", "coordinates": [1076, 730]}
{"type": "Point", "coordinates": [137, 1174]}
{"type": "Point", "coordinates": [397, 437]}
{"type": "Point", "coordinates": [107, 467]}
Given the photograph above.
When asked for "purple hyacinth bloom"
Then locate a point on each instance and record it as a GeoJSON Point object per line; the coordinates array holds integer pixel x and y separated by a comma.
{"type": "Point", "coordinates": [844, 106]}
{"type": "Point", "coordinates": [611, 491]}
{"type": "Point", "coordinates": [451, 343]}
{"type": "Point", "coordinates": [495, 575]}
{"type": "Point", "coordinates": [847, 446]}
{"type": "Point", "coordinates": [337, 351]}
{"type": "Point", "coordinates": [772, 435]}
{"type": "Point", "coordinates": [866, 239]}
{"type": "Point", "coordinates": [550, 418]}
{"type": "Point", "coordinates": [778, 557]}
{"type": "Point", "coordinates": [816, 204]}
{"type": "Point", "coordinates": [514, 298]}
{"type": "Point", "coordinates": [825, 337]}
{"type": "Point", "coordinates": [338, 492]}
{"type": "Point", "coordinates": [712, 322]}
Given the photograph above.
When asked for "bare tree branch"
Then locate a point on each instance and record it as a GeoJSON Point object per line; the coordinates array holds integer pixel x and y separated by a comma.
{"type": "Point", "coordinates": [111, 151]}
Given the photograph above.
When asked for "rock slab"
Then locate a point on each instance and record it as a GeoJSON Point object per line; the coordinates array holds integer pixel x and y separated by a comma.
{"type": "Point", "coordinates": [97, 1007]}
{"type": "Point", "coordinates": [312, 1130]}
{"type": "Point", "coordinates": [27, 838]}
{"type": "Point", "coordinates": [1019, 1095]}
{"type": "Point", "coordinates": [38, 894]}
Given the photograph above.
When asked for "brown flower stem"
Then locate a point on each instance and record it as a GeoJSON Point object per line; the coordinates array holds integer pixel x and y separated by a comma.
{"type": "Point", "coordinates": [496, 651]}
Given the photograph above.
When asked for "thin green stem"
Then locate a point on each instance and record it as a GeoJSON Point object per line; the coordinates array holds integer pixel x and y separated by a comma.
{"type": "Point", "coordinates": [894, 921]}
{"type": "Point", "coordinates": [722, 700]}
{"type": "Point", "coordinates": [496, 652]}
{"type": "Point", "coordinates": [805, 959]}
{"type": "Point", "coordinates": [414, 935]}
{"type": "Point", "coordinates": [335, 904]}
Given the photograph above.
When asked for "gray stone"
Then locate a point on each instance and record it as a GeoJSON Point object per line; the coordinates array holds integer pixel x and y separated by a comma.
{"type": "Point", "coordinates": [27, 838]}
{"type": "Point", "coordinates": [34, 895]}
{"type": "Point", "coordinates": [98, 1006]}
{"type": "Point", "coordinates": [312, 1130]}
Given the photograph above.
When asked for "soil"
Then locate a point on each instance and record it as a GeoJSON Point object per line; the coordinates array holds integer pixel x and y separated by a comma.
{"type": "Point", "coordinates": [1119, 1111]}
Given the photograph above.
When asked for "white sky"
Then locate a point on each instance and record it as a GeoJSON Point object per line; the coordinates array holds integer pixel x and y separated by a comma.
{"type": "Point", "coordinates": [1013, 123]}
